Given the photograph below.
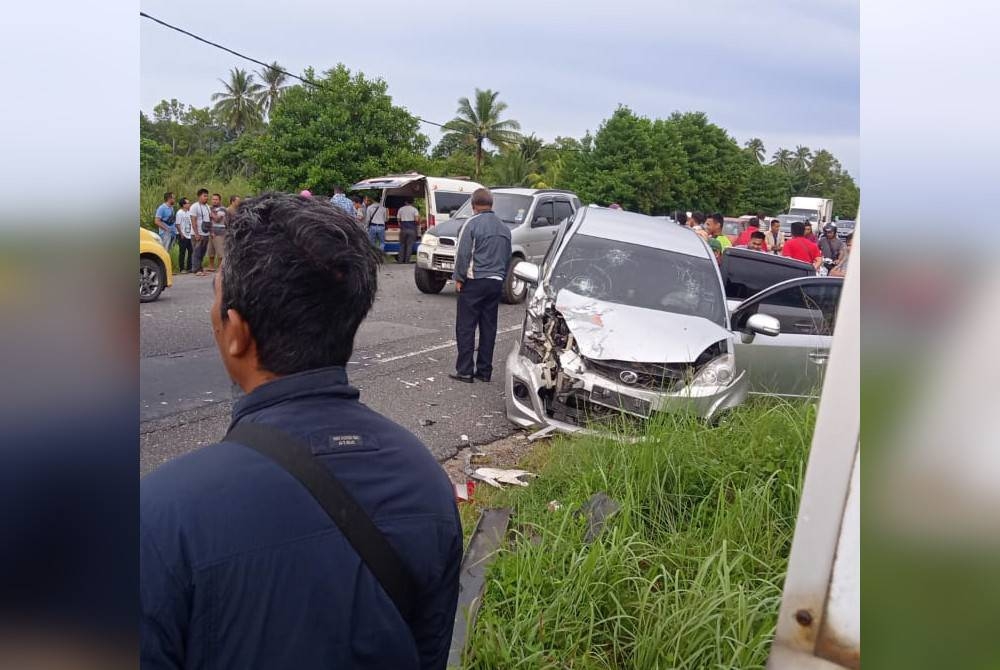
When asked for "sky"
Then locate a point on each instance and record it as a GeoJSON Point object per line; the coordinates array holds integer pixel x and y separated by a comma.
{"type": "Point", "coordinates": [786, 71]}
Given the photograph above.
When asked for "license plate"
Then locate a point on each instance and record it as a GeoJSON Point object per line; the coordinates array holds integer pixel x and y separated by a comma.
{"type": "Point", "coordinates": [620, 401]}
{"type": "Point", "coordinates": [447, 266]}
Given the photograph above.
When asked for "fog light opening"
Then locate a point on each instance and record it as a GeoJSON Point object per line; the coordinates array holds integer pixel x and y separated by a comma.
{"type": "Point", "coordinates": [521, 391]}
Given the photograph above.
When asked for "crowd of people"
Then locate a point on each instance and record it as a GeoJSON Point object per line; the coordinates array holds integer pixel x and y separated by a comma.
{"type": "Point", "coordinates": [828, 253]}
{"type": "Point", "coordinates": [198, 228]}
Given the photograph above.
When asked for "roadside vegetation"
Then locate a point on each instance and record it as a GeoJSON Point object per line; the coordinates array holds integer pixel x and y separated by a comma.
{"type": "Point", "coordinates": [687, 575]}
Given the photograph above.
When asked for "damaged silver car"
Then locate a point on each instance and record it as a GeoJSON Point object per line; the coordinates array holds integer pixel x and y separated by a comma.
{"type": "Point", "coordinates": [629, 317]}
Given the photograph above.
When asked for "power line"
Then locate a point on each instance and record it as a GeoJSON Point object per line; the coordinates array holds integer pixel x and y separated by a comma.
{"type": "Point", "coordinates": [254, 60]}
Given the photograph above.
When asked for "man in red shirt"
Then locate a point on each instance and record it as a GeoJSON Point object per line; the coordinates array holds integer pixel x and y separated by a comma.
{"type": "Point", "coordinates": [743, 240]}
{"type": "Point", "coordinates": [800, 248]}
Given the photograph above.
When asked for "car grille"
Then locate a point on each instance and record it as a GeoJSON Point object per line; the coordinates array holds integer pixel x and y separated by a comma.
{"type": "Point", "coordinates": [438, 259]}
{"type": "Point", "coordinates": [651, 376]}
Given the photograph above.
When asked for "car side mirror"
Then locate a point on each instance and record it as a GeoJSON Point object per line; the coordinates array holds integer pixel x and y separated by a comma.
{"type": "Point", "coordinates": [763, 324]}
{"type": "Point", "coordinates": [527, 272]}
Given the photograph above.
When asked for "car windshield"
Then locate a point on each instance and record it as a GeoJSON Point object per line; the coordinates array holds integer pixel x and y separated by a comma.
{"type": "Point", "coordinates": [640, 276]}
{"type": "Point", "coordinates": [804, 214]}
{"type": "Point", "coordinates": [511, 208]}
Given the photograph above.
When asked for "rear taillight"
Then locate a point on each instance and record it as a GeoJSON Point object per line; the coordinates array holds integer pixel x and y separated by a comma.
{"type": "Point", "coordinates": [430, 221]}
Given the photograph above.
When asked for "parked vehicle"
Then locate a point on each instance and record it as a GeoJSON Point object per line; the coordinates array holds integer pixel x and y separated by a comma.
{"type": "Point", "coordinates": [817, 210]}
{"type": "Point", "coordinates": [534, 216]}
{"type": "Point", "coordinates": [437, 198]}
{"type": "Point", "coordinates": [629, 317]}
{"type": "Point", "coordinates": [844, 227]}
{"type": "Point", "coordinates": [154, 266]}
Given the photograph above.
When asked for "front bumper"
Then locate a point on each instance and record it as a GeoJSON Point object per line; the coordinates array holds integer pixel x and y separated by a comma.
{"type": "Point", "coordinates": [530, 411]}
{"type": "Point", "coordinates": [436, 258]}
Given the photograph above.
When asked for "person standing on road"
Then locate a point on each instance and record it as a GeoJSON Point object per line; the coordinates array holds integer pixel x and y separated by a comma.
{"type": "Point", "coordinates": [713, 226]}
{"type": "Point", "coordinates": [775, 238]}
{"type": "Point", "coordinates": [484, 250]}
{"type": "Point", "coordinates": [217, 234]}
{"type": "Point", "coordinates": [830, 245]}
{"type": "Point", "coordinates": [359, 209]}
{"type": "Point", "coordinates": [201, 221]}
{"type": "Point", "coordinates": [342, 201]}
{"type": "Point", "coordinates": [375, 217]}
{"type": "Point", "coordinates": [696, 222]}
{"type": "Point", "coordinates": [409, 218]}
{"type": "Point", "coordinates": [809, 234]}
{"type": "Point", "coordinates": [800, 248]}
{"type": "Point", "coordinates": [164, 220]}
{"type": "Point", "coordinates": [840, 269]}
{"type": "Point", "coordinates": [241, 564]}
{"type": "Point", "coordinates": [743, 240]}
{"type": "Point", "coordinates": [184, 234]}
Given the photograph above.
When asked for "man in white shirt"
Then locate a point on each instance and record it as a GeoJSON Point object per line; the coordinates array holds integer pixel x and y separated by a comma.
{"type": "Point", "coordinates": [184, 234]}
{"type": "Point", "coordinates": [375, 216]}
{"type": "Point", "coordinates": [201, 222]}
{"type": "Point", "coordinates": [409, 219]}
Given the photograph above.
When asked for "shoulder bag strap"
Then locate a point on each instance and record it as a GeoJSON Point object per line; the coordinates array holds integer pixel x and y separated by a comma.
{"type": "Point", "coordinates": [368, 541]}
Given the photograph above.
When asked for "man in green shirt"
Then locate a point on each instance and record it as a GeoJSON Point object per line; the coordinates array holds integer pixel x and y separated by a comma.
{"type": "Point", "coordinates": [714, 227]}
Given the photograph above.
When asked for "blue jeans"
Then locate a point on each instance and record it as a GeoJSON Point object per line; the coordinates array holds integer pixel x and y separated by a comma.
{"type": "Point", "coordinates": [377, 236]}
{"type": "Point", "coordinates": [168, 238]}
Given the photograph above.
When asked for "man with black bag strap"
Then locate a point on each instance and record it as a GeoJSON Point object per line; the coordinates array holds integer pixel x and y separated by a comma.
{"type": "Point", "coordinates": [318, 533]}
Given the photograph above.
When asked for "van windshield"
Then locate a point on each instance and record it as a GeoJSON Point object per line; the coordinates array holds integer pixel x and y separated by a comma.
{"type": "Point", "coordinates": [511, 208]}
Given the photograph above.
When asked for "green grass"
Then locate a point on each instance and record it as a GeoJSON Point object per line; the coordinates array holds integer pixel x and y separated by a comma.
{"type": "Point", "coordinates": [687, 575]}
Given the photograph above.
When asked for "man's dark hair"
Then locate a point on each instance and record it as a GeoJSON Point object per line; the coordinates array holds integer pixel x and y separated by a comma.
{"type": "Point", "coordinates": [216, 195]}
{"type": "Point", "coordinates": [337, 188]}
{"type": "Point", "coordinates": [798, 228]}
{"type": "Point", "coordinates": [775, 221]}
{"type": "Point", "coordinates": [699, 217]}
{"type": "Point", "coordinates": [303, 275]}
{"type": "Point", "coordinates": [753, 223]}
{"type": "Point", "coordinates": [168, 195]}
{"type": "Point", "coordinates": [757, 235]}
{"type": "Point", "coordinates": [760, 216]}
{"type": "Point", "coordinates": [717, 217]}
{"type": "Point", "coordinates": [182, 201]}
{"type": "Point", "coordinates": [202, 191]}
{"type": "Point", "coordinates": [233, 198]}
{"type": "Point", "coordinates": [482, 197]}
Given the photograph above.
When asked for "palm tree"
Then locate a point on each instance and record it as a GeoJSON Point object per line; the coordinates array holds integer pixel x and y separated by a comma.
{"type": "Point", "coordinates": [237, 105]}
{"type": "Point", "coordinates": [274, 79]}
{"type": "Point", "coordinates": [782, 158]}
{"type": "Point", "coordinates": [802, 158]}
{"type": "Point", "coordinates": [756, 148]}
{"type": "Point", "coordinates": [481, 123]}
{"type": "Point", "coordinates": [511, 168]}
{"type": "Point", "coordinates": [530, 146]}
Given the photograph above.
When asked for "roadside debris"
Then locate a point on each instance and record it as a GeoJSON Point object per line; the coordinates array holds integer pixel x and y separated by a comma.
{"type": "Point", "coordinates": [496, 477]}
{"type": "Point", "coordinates": [598, 509]}
{"type": "Point", "coordinates": [427, 422]}
{"type": "Point", "coordinates": [483, 545]}
{"type": "Point", "coordinates": [543, 433]}
{"type": "Point", "coordinates": [554, 505]}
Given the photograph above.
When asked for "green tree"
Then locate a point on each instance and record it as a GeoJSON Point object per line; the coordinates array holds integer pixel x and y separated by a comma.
{"type": "Point", "coordinates": [782, 158]}
{"type": "Point", "coordinates": [511, 168]}
{"type": "Point", "coordinates": [530, 147]}
{"type": "Point", "coordinates": [714, 174]}
{"type": "Point", "coordinates": [481, 123]}
{"type": "Point", "coordinates": [238, 103]}
{"type": "Point", "coordinates": [342, 130]}
{"type": "Point", "coordinates": [756, 148]}
{"type": "Point", "coordinates": [274, 81]}
{"type": "Point", "coordinates": [767, 190]}
{"type": "Point", "coordinates": [801, 158]}
{"type": "Point", "coordinates": [154, 160]}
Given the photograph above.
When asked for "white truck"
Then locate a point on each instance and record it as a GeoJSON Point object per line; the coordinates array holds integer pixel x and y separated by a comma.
{"type": "Point", "coordinates": [817, 210]}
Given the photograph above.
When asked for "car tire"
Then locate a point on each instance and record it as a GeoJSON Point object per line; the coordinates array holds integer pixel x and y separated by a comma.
{"type": "Point", "coordinates": [152, 280]}
{"type": "Point", "coordinates": [429, 281]}
{"type": "Point", "coordinates": [514, 290]}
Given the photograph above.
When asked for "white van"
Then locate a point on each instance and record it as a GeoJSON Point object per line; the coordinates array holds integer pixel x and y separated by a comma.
{"type": "Point", "coordinates": [441, 198]}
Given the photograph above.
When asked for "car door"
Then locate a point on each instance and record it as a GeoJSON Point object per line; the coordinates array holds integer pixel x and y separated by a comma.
{"type": "Point", "coordinates": [562, 213]}
{"type": "Point", "coordinates": [793, 362]}
{"type": "Point", "coordinates": [542, 229]}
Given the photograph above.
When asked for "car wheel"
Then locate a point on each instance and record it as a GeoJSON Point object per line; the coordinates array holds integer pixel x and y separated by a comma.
{"type": "Point", "coordinates": [429, 281]}
{"type": "Point", "coordinates": [514, 290]}
{"type": "Point", "coordinates": [152, 279]}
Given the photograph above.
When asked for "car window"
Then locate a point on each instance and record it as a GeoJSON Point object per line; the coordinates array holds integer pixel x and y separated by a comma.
{"type": "Point", "coordinates": [543, 216]}
{"type": "Point", "coordinates": [801, 310]}
{"type": "Point", "coordinates": [446, 202]}
{"type": "Point", "coordinates": [640, 276]}
{"type": "Point", "coordinates": [563, 210]}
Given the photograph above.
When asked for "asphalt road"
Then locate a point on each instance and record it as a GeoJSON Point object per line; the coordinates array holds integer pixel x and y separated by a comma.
{"type": "Point", "coordinates": [402, 356]}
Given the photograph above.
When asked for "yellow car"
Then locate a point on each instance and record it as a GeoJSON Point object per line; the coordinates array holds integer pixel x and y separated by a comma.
{"type": "Point", "coordinates": [154, 266]}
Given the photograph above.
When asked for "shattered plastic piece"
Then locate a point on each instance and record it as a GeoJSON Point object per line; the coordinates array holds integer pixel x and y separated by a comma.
{"type": "Point", "coordinates": [496, 476]}
{"type": "Point", "coordinates": [554, 505]}
{"type": "Point", "coordinates": [410, 384]}
{"type": "Point", "coordinates": [464, 438]}
{"type": "Point", "coordinates": [543, 433]}
{"type": "Point", "coordinates": [430, 379]}
{"type": "Point", "coordinates": [427, 422]}
{"type": "Point", "coordinates": [598, 509]}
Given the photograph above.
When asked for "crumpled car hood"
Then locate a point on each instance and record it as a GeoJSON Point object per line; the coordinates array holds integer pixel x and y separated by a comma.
{"type": "Point", "coordinates": [610, 331]}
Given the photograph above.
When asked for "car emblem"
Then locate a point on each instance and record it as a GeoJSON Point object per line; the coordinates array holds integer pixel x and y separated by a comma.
{"type": "Point", "coordinates": [628, 377]}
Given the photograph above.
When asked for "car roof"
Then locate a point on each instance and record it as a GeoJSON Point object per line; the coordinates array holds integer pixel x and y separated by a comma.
{"type": "Point", "coordinates": [621, 226]}
{"type": "Point", "coordinates": [528, 191]}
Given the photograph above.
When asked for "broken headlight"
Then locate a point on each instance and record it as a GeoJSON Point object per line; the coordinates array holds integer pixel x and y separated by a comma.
{"type": "Point", "coordinates": [532, 339]}
{"type": "Point", "coordinates": [720, 371]}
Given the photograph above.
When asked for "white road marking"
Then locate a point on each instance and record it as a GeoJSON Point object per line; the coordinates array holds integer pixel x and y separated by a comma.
{"type": "Point", "coordinates": [446, 345]}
